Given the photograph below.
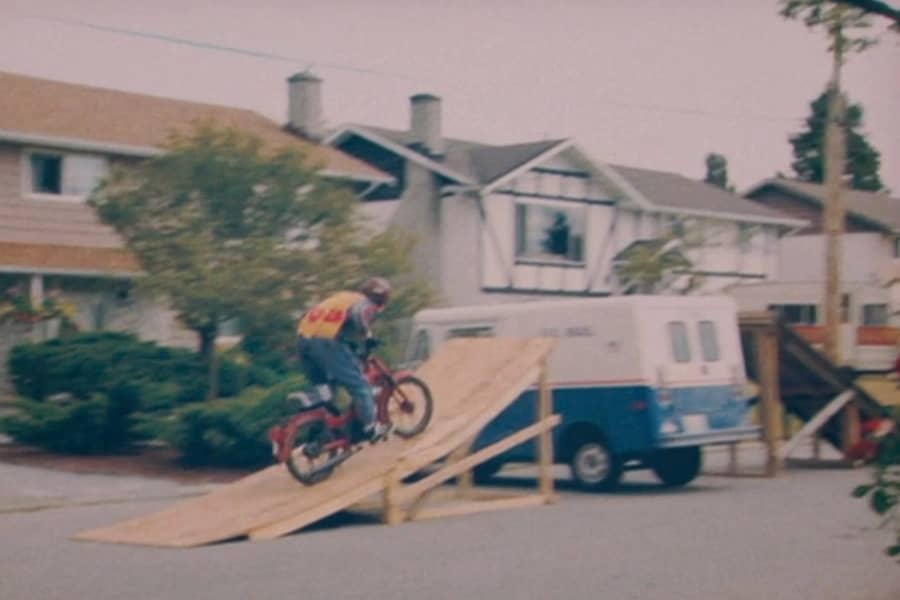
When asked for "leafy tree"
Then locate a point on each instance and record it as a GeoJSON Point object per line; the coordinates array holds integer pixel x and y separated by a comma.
{"type": "Point", "coordinates": [717, 171]}
{"type": "Point", "coordinates": [226, 228]}
{"type": "Point", "coordinates": [651, 266]}
{"type": "Point", "coordinates": [883, 492]}
{"type": "Point", "coordinates": [863, 161]}
{"type": "Point", "coordinates": [877, 7]}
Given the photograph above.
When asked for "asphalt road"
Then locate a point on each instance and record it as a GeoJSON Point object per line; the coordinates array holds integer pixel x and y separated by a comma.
{"type": "Point", "coordinates": [799, 536]}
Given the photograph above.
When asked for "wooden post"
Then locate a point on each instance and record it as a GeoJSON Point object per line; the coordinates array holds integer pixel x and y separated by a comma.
{"type": "Point", "coordinates": [393, 513]}
{"type": "Point", "coordinates": [770, 407]}
{"type": "Point", "coordinates": [851, 427]}
{"type": "Point", "coordinates": [545, 440]}
{"type": "Point", "coordinates": [733, 458]}
{"type": "Point", "coordinates": [835, 211]}
{"type": "Point", "coordinates": [465, 481]}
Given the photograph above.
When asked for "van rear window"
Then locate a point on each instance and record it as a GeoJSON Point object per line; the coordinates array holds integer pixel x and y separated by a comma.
{"type": "Point", "coordinates": [477, 331]}
{"type": "Point", "coordinates": [421, 349]}
{"type": "Point", "coordinates": [709, 341]}
{"type": "Point", "coordinates": [678, 338]}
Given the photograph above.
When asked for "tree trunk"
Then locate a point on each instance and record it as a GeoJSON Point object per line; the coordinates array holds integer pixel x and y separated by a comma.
{"type": "Point", "coordinates": [208, 335]}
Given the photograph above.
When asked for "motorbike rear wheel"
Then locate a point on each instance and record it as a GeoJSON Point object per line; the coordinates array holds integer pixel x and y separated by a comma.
{"type": "Point", "coordinates": [307, 462]}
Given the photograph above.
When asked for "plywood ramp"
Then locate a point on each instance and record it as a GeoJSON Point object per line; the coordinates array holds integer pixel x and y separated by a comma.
{"type": "Point", "coordinates": [472, 380]}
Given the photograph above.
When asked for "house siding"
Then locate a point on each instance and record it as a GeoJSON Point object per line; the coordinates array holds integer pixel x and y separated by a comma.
{"type": "Point", "coordinates": [10, 178]}
{"type": "Point", "coordinates": [419, 213]}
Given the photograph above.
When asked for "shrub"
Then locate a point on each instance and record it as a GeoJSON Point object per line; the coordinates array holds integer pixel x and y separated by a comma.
{"type": "Point", "coordinates": [99, 362]}
{"type": "Point", "coordinates": [98, 424]}
{"type": "Point", "coordinates": [113, 381]}
{"type": "Point", "coordinates": [228, 432]}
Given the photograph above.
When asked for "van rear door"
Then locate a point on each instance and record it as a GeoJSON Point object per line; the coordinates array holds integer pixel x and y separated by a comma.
{"type": "Point", "coordinates": [699, 376]}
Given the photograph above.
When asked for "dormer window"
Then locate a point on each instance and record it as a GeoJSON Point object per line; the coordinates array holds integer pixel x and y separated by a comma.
{"type": "Point", "coordinates": [63, 176]}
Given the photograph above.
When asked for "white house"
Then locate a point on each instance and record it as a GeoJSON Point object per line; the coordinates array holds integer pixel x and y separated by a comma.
{"type": "Point", "coordinates": [868, 269]}
{"type": "Point", "coordinates": [523, 221]}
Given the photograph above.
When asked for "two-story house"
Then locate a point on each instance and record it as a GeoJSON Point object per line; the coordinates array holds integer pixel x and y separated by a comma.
{"type": "Point", "coordinates": [498, 223]}
{"type": "Point", "coordinates": [869, 251]}
{"type": "Point", "coordinates": [57, 140]}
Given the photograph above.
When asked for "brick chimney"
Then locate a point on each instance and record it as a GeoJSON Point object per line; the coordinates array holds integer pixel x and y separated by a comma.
{"type": "Point", "coordinates": [425, 123]}
{"type": "Point", "coordinates": [305, 106]}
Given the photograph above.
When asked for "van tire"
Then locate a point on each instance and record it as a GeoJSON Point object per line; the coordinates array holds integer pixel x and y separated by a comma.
{"type": "Point", "coordinates": [677, 466]}
{"type": "Point", "coordinates": [594, 468]}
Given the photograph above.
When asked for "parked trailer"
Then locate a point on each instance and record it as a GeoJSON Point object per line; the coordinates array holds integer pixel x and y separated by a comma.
{"type": "Point", "coordinates": [639, 381]}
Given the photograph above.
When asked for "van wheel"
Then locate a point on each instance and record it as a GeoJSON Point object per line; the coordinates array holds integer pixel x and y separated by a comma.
{"type": "Point", "coordinates": [594, 467]}
{"type": "Point", "coordinates": [677, 466]}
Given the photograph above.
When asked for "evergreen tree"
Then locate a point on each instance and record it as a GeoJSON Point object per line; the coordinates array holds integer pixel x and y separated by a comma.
{"type": "Point", "coordinates": [717, 171]}
{"type": "Point", "coordinates": [863, 161]}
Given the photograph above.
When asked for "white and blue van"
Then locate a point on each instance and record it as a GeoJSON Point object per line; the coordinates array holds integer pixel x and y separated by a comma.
{"type": "Point", "coordinates": [639, 381]}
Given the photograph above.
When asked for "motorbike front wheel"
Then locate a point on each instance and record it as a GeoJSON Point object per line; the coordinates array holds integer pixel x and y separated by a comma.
{"type": "Point", "coordinates": [410, 406]}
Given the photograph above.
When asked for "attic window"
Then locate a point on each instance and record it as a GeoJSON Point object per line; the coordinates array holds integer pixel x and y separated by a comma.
{"type": "Point", "coordinates": [66, 176]}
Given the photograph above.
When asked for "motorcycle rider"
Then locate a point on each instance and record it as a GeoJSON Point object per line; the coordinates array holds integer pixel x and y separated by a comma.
{"type": "Point", "coordinates": [328, 336]}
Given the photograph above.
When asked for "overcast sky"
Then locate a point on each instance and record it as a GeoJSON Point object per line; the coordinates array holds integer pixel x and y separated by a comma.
{"type": "Point", "coordinates": [646, 83]}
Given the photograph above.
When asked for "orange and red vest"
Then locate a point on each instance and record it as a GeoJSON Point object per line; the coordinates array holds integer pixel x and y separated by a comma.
{"type": "Point", "coordinates": [326, 318]}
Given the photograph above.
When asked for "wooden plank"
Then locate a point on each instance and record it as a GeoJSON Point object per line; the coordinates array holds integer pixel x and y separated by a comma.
{"type": "Point", "coordinates": [816, 422]}
{"type": "Point", "coordinates": [545, 440]}
{"type": "Point", "coordinates": [425, 454]}
{"type": "Point", "coordinates": [413, 490]}
{"type": "Point", "coordinates": [476, 506]}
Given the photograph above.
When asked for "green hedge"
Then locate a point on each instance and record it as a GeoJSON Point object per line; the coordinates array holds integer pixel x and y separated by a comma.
{"type": "Point", "coordinates": [94, 425]}
{"type": "Point", "coordinates": [89, 392]}
{"type": "Point", "coordinates": [88, 363]}
{"type": "Point", "coordinates": [229, 432]}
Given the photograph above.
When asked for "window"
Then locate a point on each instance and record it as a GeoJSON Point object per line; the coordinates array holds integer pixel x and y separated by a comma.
{"type": "Point", "coordinates": [678, 337]}
{"type": "Point", "coordinates": [796, 314]}
{"type": "Point", "coordinates": [471, 332]}
{"type": "Point", "coordinates": [46, 174]}
{"type": "Point", "coordinates": [874, 315]}
{"type": "Point", "coordinates": [745, 237]}
{"type": "Point", "coordinates": [550, 232]}
{"type": "Point", "coordinates": [421, 347]}
{"type": "Point", "coordinates": [65, 175]}
{"type": "Point", "coordinates": [709, 341]}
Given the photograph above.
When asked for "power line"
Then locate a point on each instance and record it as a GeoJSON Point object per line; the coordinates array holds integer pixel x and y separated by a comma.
{"type": "Point", "coordinates": [327, 65]}
{"type": "Point", "coordinates": [210, 46]}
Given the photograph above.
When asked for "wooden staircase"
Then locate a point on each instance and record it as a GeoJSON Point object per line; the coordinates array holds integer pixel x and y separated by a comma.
{"type": "Point", "coordinates": [808, 383]}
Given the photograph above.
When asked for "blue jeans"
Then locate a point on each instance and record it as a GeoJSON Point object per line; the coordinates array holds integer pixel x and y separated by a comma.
{"type": "Point", "coordinates": [335, 361]}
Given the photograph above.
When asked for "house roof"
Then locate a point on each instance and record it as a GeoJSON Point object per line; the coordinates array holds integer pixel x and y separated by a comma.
{"type": "Point", "coordinates": [876, 207]}
{"type": "Point", "coordinates": [681, 194]}
{"type": "Point", "coordinates": [481, 164]}
{"type": "Point", "coordinates": [36, 110]}
{"type": "Point", "coordinates": [468, 161]}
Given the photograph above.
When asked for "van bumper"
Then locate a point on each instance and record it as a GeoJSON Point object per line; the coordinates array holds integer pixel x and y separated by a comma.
{"type": "Point", "coordinates": [723, 436]}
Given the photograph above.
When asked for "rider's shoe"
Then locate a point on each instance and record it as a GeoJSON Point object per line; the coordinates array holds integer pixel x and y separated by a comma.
{"type": "Point", "coordinates": [377, 432]}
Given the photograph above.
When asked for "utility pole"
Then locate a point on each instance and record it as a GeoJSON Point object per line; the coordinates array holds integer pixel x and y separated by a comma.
{"type": "Point", "coordinates": [835, 211]}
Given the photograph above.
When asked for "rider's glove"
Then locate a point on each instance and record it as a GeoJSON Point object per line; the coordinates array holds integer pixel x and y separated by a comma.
{"type": "Point", "coordinates": [372, 343]}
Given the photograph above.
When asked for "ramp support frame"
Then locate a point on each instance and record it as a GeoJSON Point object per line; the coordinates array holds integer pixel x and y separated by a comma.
{"type": "Point", "coordinates": [407, 502]}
